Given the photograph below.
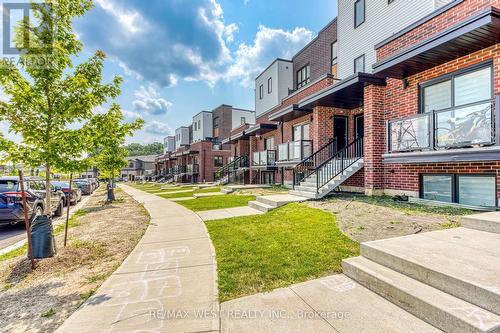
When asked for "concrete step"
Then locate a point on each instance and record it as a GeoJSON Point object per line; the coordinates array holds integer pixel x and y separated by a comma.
{"type": "Point", "coordinates": [489, 222]}
{"type": "Point", "coordinates": [260, 206]}
{"type": "Point", "coordinates": [227, 190]}
{"type": "Point", "coordinates": [442, 310]}
{"type": "Point", "coordinates": [304, 188]}
{"type": "Point", "coordinates": [280, 200]}
{"type": "Point", "coordinates": [308, 195]}
{"type": "Point", "coordinates": [471, 273]}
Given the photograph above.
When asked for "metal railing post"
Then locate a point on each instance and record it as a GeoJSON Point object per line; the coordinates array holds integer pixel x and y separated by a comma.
{"type": "Point", "coordinates": [497, 119]}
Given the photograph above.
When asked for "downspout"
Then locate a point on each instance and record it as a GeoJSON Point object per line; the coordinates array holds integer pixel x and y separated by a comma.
{"type": "Point", "coordinates": [282, 168]}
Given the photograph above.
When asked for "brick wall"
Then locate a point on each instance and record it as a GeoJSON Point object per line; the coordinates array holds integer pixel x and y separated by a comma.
{"type": "Point", "coordinates": [400, 102]}
{"type": "Point", "coordinates": [317, 54]}
{"type": "Point", "coordinates": [439, 23]}
{"type": "Point", "coordinates": [206, 156]}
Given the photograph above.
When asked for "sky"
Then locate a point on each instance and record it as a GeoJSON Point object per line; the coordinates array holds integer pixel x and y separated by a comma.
{"type": "Point", "coordinates": [180, 57]}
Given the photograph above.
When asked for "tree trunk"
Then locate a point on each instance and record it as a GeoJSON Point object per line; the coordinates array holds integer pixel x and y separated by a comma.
{"type": "Point", "coordinates": [48, 191]}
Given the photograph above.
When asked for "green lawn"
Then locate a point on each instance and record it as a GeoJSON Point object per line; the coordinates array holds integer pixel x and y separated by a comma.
{"type": "Point", "coordinates": [188, 194]}
{"type": "Point", "coordinates": [291, 244]}
{"type": "Point", "coordinates": [217, 202]}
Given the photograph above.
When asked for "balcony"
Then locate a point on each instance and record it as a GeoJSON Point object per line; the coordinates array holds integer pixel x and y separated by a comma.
{"type": "Point", "coordinates": [179, 170]}
{"type": "Point", "coordinates": [442, 136]}
{"type": "Point", "coordinates": [294, 151]}
{"type": "Point", "coordinates": [193, 169]}
{"type": "Point", "coordinates": [264, 158]}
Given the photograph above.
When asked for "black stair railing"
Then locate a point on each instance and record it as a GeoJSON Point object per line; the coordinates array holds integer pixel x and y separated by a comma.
{"type": "Point", "coordinates": [342, 160]}
{"type": "Point", "coordinates": [238, 162]}
{"type": "Point", "coordinates": [309, 165]}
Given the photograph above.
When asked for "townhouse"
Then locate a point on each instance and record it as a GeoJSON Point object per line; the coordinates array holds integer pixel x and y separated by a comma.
{"type": "Point", "coordinates": [392, 97]}
{"type": "Point", "coordinates": [196, 151]}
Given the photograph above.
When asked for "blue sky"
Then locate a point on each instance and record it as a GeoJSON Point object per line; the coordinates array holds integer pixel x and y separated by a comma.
{"type": "Point", "coordinates": [179, 57]}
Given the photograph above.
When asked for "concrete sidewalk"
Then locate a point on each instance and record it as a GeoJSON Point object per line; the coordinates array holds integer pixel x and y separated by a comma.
{"type": "Point", "coordinates": [167, 284]}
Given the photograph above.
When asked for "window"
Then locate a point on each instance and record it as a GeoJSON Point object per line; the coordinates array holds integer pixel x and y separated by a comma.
{"type": "Point", "coordinates": [269, 143]}
{"type": "Point", "coordinates": [303, 76]}
{"type": "Point", "coordinates": [390, 1]}
{"type": "Point", "coordinates": [457, 89]}
{"type": "Point", "coordinates": [300, 132]}
{"type": "Point", "coordinates": [199, 123]}
{"type": "Point", "coordinates": [359, 64]}
{"type": "Point", "coordinates": [195, 125]}
{"type": "Point", "coordinates": [359, 13]}
{"type": "Point", "coordinates": [270, 85]}
{"type": "Point", "coordinates": [334, 55]}
{"type": "Point", "coordinates": [466, 189]}
{"type": "Point", "coordinates": [261, 91]}
{"type": "Point", "coordinates": [218, 161]}
{"type": "Point", "coordinates": [243, 120]}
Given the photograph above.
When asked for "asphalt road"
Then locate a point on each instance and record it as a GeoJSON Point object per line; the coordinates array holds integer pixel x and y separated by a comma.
{"type": "Point", "coordinates": [10, 235]}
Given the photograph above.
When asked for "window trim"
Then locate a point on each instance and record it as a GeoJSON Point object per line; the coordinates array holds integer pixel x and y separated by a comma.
{"type": "Point", "coordinates": [455, 193]}
{"type": "Point", "coordinates": [301, 125]}
{"type": "Point", "coordinates": [364, 63]}
{"type": "Point", "coordinates": [451, 77]}
{"type": "Point", "coordinates": [356, 13]}
{"type": "Point", "coordinates": [270, 85]}
{"type": "Point", "coordinates": [261, 91]}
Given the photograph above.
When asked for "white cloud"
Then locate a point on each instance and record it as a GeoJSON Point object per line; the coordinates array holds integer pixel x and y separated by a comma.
{"type": "Point", "coordinates": [269, 44]}
{"type": "Point", "coordinates": [148, 101]}
{"type": "Point", "coordinates": [130, 115]}
{"type": "Point", "coordinates": [159, 128]}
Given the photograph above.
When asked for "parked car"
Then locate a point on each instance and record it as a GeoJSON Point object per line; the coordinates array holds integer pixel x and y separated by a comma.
{"type": "Point", "coordinates": [94, 182]}
{"type": "Point", "coordinates": [11, 205]}
{"type": "Point", "coordinates": [76, 193]}
{"type": "Point", "coordinates": [84, 185]}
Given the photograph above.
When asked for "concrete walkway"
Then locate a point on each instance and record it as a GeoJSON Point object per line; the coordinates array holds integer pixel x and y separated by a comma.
{"type": "Point", "coordinates": [219, 214]}
{"type": "Point", "coordinates": [167, 284]}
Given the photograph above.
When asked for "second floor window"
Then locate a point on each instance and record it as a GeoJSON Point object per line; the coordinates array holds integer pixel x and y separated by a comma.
{"type": "Point", "coordinates": [303, 76]}
{"type": "Point", "coordinates": [359, 13]}
{"type": "Point", "coordinates": [216, 127]}
{"type": "Point", "coordinates": [243, 120]}
{"type": "Point", "coordinates": [301, 132]}
{"type": "Point", "coordinates": [261, 91]}
{"type": "Point", "coordinates": [218, 161]}
{"type": "Point", "coordinates": [457, 90]}
{"type": "Point", "coordinates": [359, 64]}
{"type": "Point", "coordinates": [269, 143]}
{"type": "Point", "coordinates": [270, 85]}
{"type": "Point", "coordinates": [195, 126]}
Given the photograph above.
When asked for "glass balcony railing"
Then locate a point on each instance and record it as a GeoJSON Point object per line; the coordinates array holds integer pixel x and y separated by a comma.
{"type": "Point", "coordinates": [410, 134]}
{"type": "Point", "coordinates": [264, 158]}
{"type": "Point", "coordinates": [472, 125]}
{"type": "Point", "coordinates": [295, 150]}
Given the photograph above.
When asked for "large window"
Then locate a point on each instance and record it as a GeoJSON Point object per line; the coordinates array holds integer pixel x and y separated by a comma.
{"type": "Point", "coordinates": [462, 103]}
{"type": "Point", "coordinates": [359, 64]}
{"type": "Point", "coordinates": [269, 143]}
{"type": "Point", "coordinates": [218, 161]}
{"type": "Point", "coordinates": [303, 76]}
{"type": "Point", "coordinates": [334, 55]}
{"type": "Point", "coordinates": [359, 13]}
{"type": "Point", "coordinates": [301, 132]}
{"type": "Point", "coordinates": [466, 189]}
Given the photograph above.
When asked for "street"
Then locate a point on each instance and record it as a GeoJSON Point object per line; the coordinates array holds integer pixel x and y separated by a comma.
{"type": "Point", "coordinates": [10, 235]}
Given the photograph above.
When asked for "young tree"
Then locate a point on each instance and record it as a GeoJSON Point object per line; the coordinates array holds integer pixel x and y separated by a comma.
{"type": "Point", "coordinates": [50, 98]}
{"type": "Point", "coordinates": [109, 134]}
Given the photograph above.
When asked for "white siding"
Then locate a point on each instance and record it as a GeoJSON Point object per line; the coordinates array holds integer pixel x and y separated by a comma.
{"type": "Point", "coordinates": [169, 144]}
{"type": "Point", "coordinates": [382, 20]}
{"type": "Point", "coordinates": [281, 74]}
{"type": "Point", "coordinates": [238, 114]}
{"type": "Point", "coordinates": [205, 131]}
{"type": "Point", "coordinates": [181, 137]}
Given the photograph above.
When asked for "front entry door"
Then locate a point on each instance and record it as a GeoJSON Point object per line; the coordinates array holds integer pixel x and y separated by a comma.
{"type": "Point", "coordinates": [268, 178]}
{"type": "Point", "coordinates": [340, 131]}
{"type": "Point", "coordinates": [360, 126]}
